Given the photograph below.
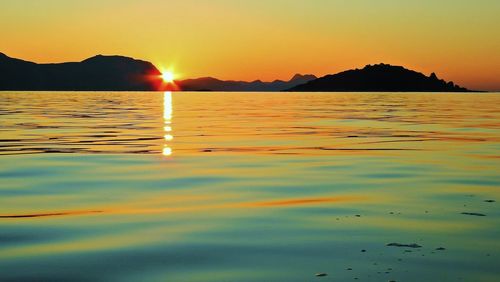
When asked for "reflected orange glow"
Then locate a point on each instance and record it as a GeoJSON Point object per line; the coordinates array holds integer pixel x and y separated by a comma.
{"type": "Point", "coordinates": [50, 214]}
{"type": "Point", "coordinates": [306, 201]}
{"type": "Point", "coordinates": [197, 203]}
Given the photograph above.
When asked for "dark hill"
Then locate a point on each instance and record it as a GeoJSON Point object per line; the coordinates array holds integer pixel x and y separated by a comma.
{"type": "Point", "coordinates": [381, 77]}
{"type": "Point", "coordinates": [93, 74]}
{"type": "Point", "coordinates": [214, 84]}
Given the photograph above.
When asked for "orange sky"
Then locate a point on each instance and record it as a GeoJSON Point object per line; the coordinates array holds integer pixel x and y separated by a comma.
{"type": "Point", "coordinates": [267, 40]}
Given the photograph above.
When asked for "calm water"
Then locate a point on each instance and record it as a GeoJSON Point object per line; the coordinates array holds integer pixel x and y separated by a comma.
{"type": "Point", "coordinates": [249, 187]}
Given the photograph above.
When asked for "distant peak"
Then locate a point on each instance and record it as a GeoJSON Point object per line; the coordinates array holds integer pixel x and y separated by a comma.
{"type": "Point", "coordinates": [96, 57]}
{"type": "Point", "coordinates": [209, 78]}
{"type": "Point", "coordinates": [380, 66]}
{"type": "Point", "coordinates": [299, 76]}
{"type": "Point", "coordinates": [203, 79]}
{"type": "Point", "coordinates": [101, 57]}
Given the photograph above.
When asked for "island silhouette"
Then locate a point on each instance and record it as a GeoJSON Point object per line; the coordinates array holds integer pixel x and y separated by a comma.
{"type": "Point", "coordinates": [120, 73]}
{"type": "Point", "coordinates": [379, 78]}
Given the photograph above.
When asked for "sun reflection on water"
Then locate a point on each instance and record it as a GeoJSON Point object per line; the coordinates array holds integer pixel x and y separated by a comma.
{"type": "Point", "coordinates": [167, 151]}
{"type": "Point", "coordinates": [167, 119]}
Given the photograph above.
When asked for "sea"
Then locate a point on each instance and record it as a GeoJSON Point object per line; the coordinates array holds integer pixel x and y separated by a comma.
{"type": "Point", "coordinates": [214, 186]}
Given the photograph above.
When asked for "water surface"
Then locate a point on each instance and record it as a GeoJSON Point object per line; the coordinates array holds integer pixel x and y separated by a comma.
{"type": "Point", "coordinates": [98, 186]}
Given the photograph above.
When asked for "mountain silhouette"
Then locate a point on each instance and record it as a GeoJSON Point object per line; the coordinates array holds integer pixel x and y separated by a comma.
{"type": "Point", "coordinates": [380, 77]}
{"type": "Point", "coordinates": [119, 73]}
{"type": "Point", "coordinates": [214, 84]}
{"type": "Point", "coordinates": [98, 73]}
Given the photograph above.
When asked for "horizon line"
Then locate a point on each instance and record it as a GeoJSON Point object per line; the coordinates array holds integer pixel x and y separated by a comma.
{"type": "Point", "coordinates": [231, 79]}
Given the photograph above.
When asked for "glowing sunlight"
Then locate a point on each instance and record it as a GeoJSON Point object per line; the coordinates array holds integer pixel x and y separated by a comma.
{"type": "Point", "coordinates": [168, 76]}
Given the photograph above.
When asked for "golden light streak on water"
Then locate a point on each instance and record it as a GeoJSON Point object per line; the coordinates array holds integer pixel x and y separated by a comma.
{"type": "Point", "coordinates": [167, 117]}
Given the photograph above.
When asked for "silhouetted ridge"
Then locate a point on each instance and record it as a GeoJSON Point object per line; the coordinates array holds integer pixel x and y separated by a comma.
{"type": "Point", "coordinates": [381, 77]}
{"type": "Point", "coordinates": [119, 73]}
{"type": "Point", "coordinates": [299, 77]}
{"type": "Point", "coordinates": [213, 84]}
{"type": "Point", "coordinates": [113, 73]}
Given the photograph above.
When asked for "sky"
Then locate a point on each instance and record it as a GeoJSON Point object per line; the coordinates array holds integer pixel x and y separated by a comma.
{"type": "Point", "coordinates": [264, 39]}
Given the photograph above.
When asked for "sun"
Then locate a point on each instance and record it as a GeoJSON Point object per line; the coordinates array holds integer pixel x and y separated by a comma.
{"type": "Point", "coordinates": [167, 76]}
